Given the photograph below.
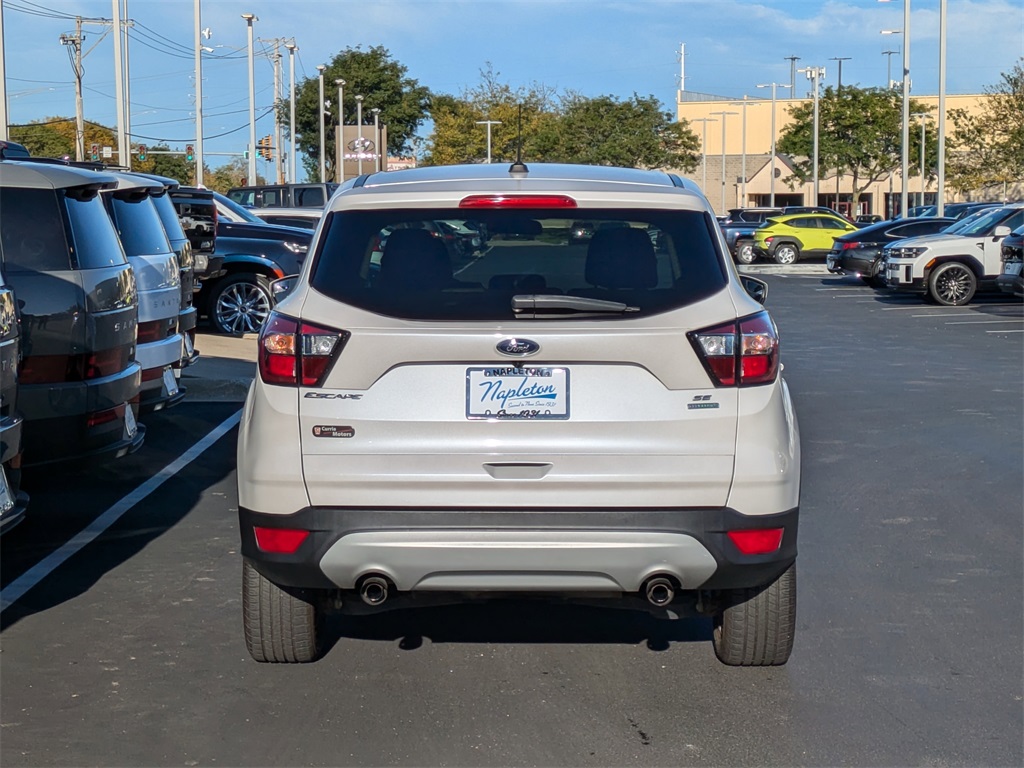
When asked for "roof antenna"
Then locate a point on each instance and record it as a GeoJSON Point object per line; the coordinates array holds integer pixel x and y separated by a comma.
{"type": "Point", "coordinates": [518, 169]}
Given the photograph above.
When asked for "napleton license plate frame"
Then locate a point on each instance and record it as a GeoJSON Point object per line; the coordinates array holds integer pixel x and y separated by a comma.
{"type": "Point", "coordinates": [517, 393]}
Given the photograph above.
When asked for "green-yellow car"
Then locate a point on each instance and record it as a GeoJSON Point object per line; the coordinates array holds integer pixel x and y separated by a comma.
{"type": "Point", "coordinates": [786, 239]}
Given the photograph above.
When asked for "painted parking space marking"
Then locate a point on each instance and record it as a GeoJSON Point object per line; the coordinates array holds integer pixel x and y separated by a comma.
{"type": "Point", "coordinates": [17, 588]}
{"type": "Point", "coordinates": [987, 322]}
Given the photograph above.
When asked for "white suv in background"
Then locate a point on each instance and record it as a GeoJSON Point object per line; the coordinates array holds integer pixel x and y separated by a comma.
{"type": "Point", "coordinates": [951, 266]}
{"type": "Point", "coordinates": [550, 417]}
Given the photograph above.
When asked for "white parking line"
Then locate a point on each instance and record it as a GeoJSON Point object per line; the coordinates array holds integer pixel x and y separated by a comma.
{"type": "Point", "coordinates": [987, 322]}
{"type": "Point", "coordinates": [17, 588]}
{"type": "Point", "coordinates": [1008, 330]}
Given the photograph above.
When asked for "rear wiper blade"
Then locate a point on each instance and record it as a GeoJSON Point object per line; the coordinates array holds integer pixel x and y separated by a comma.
{"type": "Point", "coordinates": [557, 304]}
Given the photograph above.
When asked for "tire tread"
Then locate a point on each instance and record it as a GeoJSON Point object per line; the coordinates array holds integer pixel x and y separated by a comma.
{"type": "Point", "coordinates": [280, 626]}
{"type": "Point", "coordinates": [757, 628]}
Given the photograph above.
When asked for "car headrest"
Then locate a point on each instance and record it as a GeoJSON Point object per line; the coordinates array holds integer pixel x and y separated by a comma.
{"type": "Point", "coordinates": [621, 258]}
{"type": "Point", "coordinates": [414, 258]}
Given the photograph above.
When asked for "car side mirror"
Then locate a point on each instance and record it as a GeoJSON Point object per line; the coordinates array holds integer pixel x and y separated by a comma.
{"type": "Point", "coordinates": [758, 289]}
{"type": "Point", "coordinates": [1001, 231]}
{"type": "Point", "coordinates": [282, 287]}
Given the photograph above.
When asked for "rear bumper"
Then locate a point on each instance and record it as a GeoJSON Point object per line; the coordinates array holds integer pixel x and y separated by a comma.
{"type": "Point", "coordinates": [531, 550]}
{"type": "Point", "coordinates": [1011, 284]}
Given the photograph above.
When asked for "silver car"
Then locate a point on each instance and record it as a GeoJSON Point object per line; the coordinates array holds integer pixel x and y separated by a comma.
{"type": "Point", "coordinates": [599, 419]}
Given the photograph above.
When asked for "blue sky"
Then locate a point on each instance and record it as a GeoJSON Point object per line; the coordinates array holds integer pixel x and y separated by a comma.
{"type": "Point", "coordinates": [589, 46]}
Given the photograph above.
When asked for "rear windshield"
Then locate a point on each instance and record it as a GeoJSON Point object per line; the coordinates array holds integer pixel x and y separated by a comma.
{"type": "Point", "coordinates": [32, 236]}
{"type": "Point", "coordinates": [441, 265]}
{"type": "Point", "coordinates": [139, 227]}
{"type": "Point", "coordinates": [169, 218]}
{"type": "Point", "coordinates": [96, 241]}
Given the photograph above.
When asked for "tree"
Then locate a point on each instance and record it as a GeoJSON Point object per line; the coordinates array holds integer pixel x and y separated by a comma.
{"type": "Point", "coordinates": [381, 81]}
{"type": "Point", "coordinates": [988, 147]}
{"type": "Point", "coordinates": [174, 166]}
{"type": "Point", "coordinates": [569, 128]}
{"type": "Point", "coordinates": [859, 133]}
{"type": "Point", "coordinates": [55, 137]}
{"type": "Point", "coordinates": [230, 175]}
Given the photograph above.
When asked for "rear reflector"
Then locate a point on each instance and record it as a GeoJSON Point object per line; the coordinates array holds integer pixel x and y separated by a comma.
{"type": "Point", "coordinates": [759, 541]}
{"type": "Point", "coordinates": [281, 541]}
{"type": "Point", "coordinates": [517, 201]}
{"type": "Point", "coordinates": [97, 418]}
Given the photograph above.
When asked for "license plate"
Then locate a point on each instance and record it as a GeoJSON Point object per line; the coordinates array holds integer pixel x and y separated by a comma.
{"type": "Point", "coordinates": [6, 500]}
{"type": "Point", "coordinates": [170, 383]}
{"type": "Point", "coordinates": [189, 346]}
{"type": "Point", "coordinates": [830, 262]}
{"type": "Point", "coordinates": [1012, 268]}
{"type": "Point", "coordinates": [517, 393]}
{"type": "Point", "coordinates": [130, 425]}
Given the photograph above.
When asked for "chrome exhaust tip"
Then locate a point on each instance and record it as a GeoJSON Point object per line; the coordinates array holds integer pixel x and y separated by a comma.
{"type": "Point", "coordinates": [374, 590]}
{"type": "Point", "coordinates": [660, 591]}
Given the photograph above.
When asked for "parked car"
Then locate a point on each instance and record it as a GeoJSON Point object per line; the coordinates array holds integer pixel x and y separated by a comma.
{"type": "Point", "coordinates": [1012, 255]}
{"type": "Point", "coordinates": [303, 218]}
{"type": "Point", "coordinates": [789, 238]}
{"type": "Point", "coordinates": [197, 212]}
{"type": "Point", "coordinates": [13, 500]}
{"type": "Point", "coordinates": [543, 423]}
{"type": "Point", "coordinates": [864, 219]}
{"type": "Point", "coordinates": [860, 252]}
{"type": "Point", "coordinates": [79, 381]}
{"type": "Point", "coordinates": [181, 244]}
{"type": "Point", "coordinates": [741, 223]}
{"type": "Point", "coordinates": [249, 254]}
{"type": "Point", "coordinates": [309, 195]}
{"type": "Point", "coordinates": [158, 278]}
{"type": "Point", "coordinates": [11, 150]}
{"type": "Point", "coordinates": [949, 267]}
{"type": "Point", "coordinates": [791, 209]}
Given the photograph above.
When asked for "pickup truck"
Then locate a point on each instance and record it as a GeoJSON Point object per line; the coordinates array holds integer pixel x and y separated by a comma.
{"type": "Point", "coordinates": [741, 223]}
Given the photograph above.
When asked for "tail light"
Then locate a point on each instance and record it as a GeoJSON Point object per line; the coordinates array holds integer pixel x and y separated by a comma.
{"type": "Point", "coordinates": [517, 201]}
{"type": "Point", "coordinates": [741, 353]}
{"type": "Point", "coordinates": [768, 240]}
{"type": "Point", "coordinates": [296, 354]}
{"type": "Point", "coordinates": [157, 330]}
{"type": "Point", "coordinates": [49, 369]}
{"type": "Point", "coordinates": [848, 246]}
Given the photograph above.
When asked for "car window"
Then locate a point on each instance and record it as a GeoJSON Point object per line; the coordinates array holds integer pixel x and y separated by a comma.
{"type": "Point", "coordinates": [916, 228]}
{"type": "Point", "coordinates": [1015, 220]}
{"type": "Point", "coordinates": [292, 221]}
{"type": "Point", "coordinates": [398, 263]}
{"type": "Point", "coordinates": [308, 197]}
{"type": "Point", "coordinates": [236, 210]}
{"type": "Point", "coordinates": [96, 243]}
{"type": "Point", "coordinates": [138, 226]}
{"type": "Point", "coordinates": [169, 217]}
{"type": "Point", "coordinates": [32, 236]}
{"type": "Point", "coordinates": [988, 219]}
{"type": "Point", "coordinates": [271, 198]}
{"type": "Point", "coordinates": [805, 223]}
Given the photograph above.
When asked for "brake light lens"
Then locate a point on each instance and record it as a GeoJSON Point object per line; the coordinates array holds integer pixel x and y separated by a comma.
{"type": "Point", "coordinates": [281, 541]}
{"type": "Point", "coordinates": [49, 369]}
{"type": "Point", "coordinates": [757, 541]}
{"type": "Point", "coordinates": [517, 201]}
{"type": "Point", "coordinates": [295, 355]}
{"type": "Point", "coordinates": [848, 246]}
{"type": "Point", "coordinates": [741, 353]}
{"type": "Point", "coordinates": [768, 240]}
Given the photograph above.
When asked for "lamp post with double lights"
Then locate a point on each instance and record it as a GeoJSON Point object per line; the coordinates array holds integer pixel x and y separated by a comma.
{"type": "Point", "coordinates": [771, 188]}
{"type": "Point", "coordinates": [704, 153]}
{"type": "Point", "coordinates": [815, 75]}
{"type": "Point", "coordinates": [249, 19]}
{"type": "Point", "coordinates": [323, 118]}
{"type": "Point", "coordinates": [905, 138]}
{"type": "Point", "coordinates": [724, 115]}
{"type": "Point", "coordinates": [292, 48]}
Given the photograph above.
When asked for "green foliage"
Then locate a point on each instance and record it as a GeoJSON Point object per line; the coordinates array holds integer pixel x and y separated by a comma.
{"type": "Point", "coordinates": [569, 129]}
{"type": "Point", "coordinates": [859, 134]}
{"type": "Point", "coordinates": [173, 166]}
{"type": "Point", "coordinates": [55, 137]}
{"type": "Point", "coordinates": [988, 147]}
{"type": "Point", "coordinates": [381, 81]}
{"type": "Point", "coordinates": [229, 175]}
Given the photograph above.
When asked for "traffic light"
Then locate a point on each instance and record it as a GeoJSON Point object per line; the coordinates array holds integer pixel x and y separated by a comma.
{"type": "Point", "coordinates": [190, 153]}
{"type": "Point", "coordinates": [94, 152]}
{"type": "Point", "coordinates": [142, 151]}
{"type": "Point", "coordinates": [266, 147]}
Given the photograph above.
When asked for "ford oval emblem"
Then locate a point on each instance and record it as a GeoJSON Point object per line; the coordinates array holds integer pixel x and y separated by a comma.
{"type": "Point", "coordinates": [518, 347]}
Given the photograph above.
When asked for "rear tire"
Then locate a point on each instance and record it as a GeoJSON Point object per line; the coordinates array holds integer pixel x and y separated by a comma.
{"type": "Point", "coordinates": [280, 626]}
{"type": "Point", "coordinates": [786, 253]}
{"type": "Point", "coordinates": [745, 254]}
{"type": "Point", "coordinates": [757, 626]}
{"type": "Point", "coordinates": [952, 284]}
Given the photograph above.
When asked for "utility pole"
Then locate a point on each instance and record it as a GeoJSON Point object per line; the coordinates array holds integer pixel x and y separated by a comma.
{"type": "Point", "coordinates": [122, 139]}
{"type": "Point", "coordinates": [792, 74]}
{"type": "Point", "coordinates": [198, 42]}
{"type": "Point", "coordinates": [76, 41]}
{"type": "Point", "coordinates": [126, 161]}
{"type": "Point", "coordinates": [292, 48]}
{"type": "Point", "coordinates": [278, 161]}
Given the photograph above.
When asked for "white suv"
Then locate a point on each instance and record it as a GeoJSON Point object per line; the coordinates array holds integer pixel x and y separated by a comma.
{"type": "Point", "coordinates": [544, 416]}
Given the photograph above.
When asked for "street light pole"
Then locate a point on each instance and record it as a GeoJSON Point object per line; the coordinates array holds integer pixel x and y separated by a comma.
{"type": "Point", "coordinates": [249, 19]}
{"type": "Point", "coordinates": [340, 174]}
{"type": "Point", "coordinates": [199, 93]}
{"type": "Point", "coordinates": [724, 115]}
{"type": "Point", "coordinates": [905, 137]}
{"type": "Point", "coordinates": [323, 147]}
{"type": "Point", "coordinates": [704, 152]}
{"type": "Point", "coordinates": [814, 74]}
{"type": "Point", "coordinates": [888, 68]}
{"type": "Point", "coordinates": [924, 116]}
{"type": "Point", "coordinates": [771, 163]}
{"type": "Point", "coordinates": [376, 139]}
{"type": "Point", "coordinates": [488, 123]}
{"type": "Point", "coordinates": [122, 139]}
{"type": "Point", "coordinates": [359, 129]}
{"type": "Point", "coordinates": [940, 192]}
{"type": "Point", "coordinates": [743, 167]}
{"type": "Point", "coordinates": [292, 48]}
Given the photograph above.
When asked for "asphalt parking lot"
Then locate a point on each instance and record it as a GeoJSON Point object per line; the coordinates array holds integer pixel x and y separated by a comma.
{"type": "Point", "coordinates": [121, 639]}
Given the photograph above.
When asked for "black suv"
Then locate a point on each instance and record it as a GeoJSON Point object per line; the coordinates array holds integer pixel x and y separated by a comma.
{"type": "Point", "coordinates": [78, 381]}
{"type": "Point", "coordinates": [249, 254]}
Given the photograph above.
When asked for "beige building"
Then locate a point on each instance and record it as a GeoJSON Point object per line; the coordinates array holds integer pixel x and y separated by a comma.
{"type": "Point", "coordinates": [749, 150]}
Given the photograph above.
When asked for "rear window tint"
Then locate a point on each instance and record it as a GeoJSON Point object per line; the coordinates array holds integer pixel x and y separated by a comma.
{"type": "Point", "coordinates": [169, 218]}
{"type": "Point", "coordinates": [405, 264]}
{"type": "Point", "coordinates": [96, 241]}
{"type": "Point", "coordinates": [32, 236]}
{"type": "Point", "coordinates": [139, 227]}
{"type": "Point", "coordinates": [308, 197]}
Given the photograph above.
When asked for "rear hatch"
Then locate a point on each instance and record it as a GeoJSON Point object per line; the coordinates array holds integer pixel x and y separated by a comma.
{"type": "Point", "coordinates": [541, 373]}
